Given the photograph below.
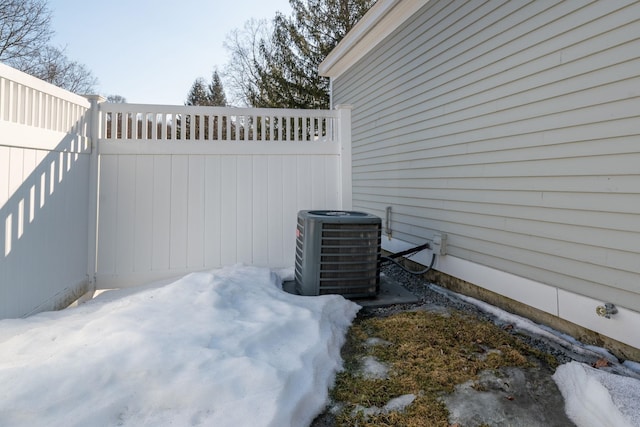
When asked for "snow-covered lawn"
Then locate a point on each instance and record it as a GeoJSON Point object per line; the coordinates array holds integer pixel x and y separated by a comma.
{"type": "Point", "coordinates": [223, 348]}
{"type": "Point", "coordinates": [220, 348]}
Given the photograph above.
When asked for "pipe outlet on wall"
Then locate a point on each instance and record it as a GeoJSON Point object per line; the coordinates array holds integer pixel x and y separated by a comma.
{"type": "Point", "coordinates": [387, 222]}
{"type": "Point", "coordinates": [607, 310]}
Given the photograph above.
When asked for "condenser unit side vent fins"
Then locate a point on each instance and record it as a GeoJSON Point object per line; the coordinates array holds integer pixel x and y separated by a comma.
{"type": "Point", "coordinates": [338, 252]}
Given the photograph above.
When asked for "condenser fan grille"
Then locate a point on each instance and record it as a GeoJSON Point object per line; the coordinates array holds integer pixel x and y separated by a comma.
{"type": "Point", "coordinates": [338, 253]}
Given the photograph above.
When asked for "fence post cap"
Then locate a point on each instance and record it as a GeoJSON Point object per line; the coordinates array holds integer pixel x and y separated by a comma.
{"type": "Point", "coordinates": [96, 98]}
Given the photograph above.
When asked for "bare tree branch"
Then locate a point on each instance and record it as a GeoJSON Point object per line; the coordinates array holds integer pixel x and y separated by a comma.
{"type": "Point", "coordinates": [24, 29]}
{"type": "Point", "coordinates": [24, 44]}
{"type": "Point", "coordinates": [54, 67]}
{"type": "Point", "coordinates": [242, 74]}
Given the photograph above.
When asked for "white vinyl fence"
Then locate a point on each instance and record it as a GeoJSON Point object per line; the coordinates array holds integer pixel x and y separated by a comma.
{"type": "Point", "coordinates": [44, 214]}
{"type": "Point", "coordinates": [191, 188]}
{"type": "Point", "coordinates": [100, 195]}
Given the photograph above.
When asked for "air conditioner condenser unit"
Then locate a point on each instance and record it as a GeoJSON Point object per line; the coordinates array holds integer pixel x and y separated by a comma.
{"type": "Point", "coordinates": [338, 252]}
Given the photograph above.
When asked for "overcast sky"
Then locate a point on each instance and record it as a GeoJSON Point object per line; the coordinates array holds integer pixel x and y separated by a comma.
{"type": "Point", "coordinates": [151, 51]}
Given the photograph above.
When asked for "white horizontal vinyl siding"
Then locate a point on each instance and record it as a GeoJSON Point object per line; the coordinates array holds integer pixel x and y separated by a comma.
{"type": "Point", "coordinates": [513, 127]}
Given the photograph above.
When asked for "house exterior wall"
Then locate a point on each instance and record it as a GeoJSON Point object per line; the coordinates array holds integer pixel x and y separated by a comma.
{"type": "Point", "coordinates": [44, 191]}
{"type": "Point", "coordinates": [512, 127]}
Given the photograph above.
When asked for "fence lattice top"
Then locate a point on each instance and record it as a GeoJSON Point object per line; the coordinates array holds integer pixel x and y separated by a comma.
{"type": "Point", "coordinates": [187, 123]}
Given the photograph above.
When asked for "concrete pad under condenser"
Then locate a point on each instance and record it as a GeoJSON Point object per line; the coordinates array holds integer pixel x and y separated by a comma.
{"type": "Point", "coordinates": [289, 286]}
{"type": "Point", "coordinates": [391, 292]}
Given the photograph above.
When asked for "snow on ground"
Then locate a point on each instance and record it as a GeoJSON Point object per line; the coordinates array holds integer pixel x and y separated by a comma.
{"type": "Point", "coordinates": [593, 397]}
{"type": "Point", "coordinates": [223, 348]}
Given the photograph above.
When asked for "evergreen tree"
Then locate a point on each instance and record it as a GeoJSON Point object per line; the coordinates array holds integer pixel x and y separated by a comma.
{"type": "Point", "coordinates": [116, 99]}
{"type": "Point", "coordinates": [204, 94]}
{"type": "Point", "coordinates": [198, 93]}
{"type": "Point", "coordinates": [211, 94]}
{"type": "Point", "coordinates": [288, 76]}
{"type": "Point", "coordinates": [216, 91]}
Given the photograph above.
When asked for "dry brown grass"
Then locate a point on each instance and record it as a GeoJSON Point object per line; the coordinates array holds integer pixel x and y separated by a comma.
{"type": "Point", "coordinates": [429, 354]}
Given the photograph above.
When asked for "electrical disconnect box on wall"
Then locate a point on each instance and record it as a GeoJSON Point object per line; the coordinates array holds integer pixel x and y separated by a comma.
{"type": "Point", "coordinates": [439, 244]}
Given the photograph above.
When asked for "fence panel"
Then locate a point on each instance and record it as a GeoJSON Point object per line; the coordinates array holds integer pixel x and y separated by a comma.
{"type": "Point", "coordinates": [216, 186]}
{"type": "Point", "coordinates": [44, 169]}
{"type": "Point", "coordinates": [179, 189]}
